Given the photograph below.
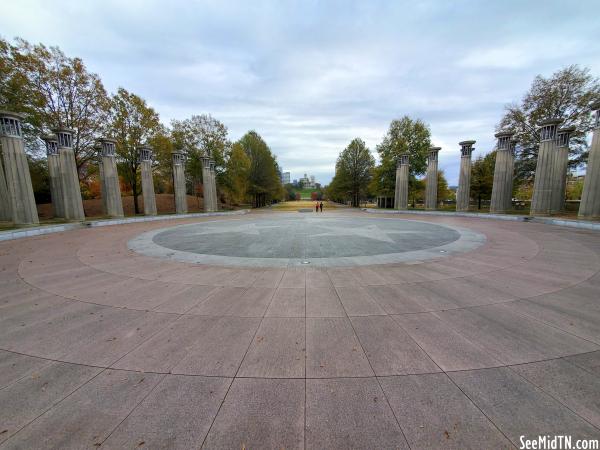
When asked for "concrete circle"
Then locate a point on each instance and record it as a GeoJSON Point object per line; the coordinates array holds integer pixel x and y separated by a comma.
{"type": "Point", "coordinates": [291, 240]}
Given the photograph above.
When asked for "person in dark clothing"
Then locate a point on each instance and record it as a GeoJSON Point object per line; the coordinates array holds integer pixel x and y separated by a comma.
{"type": "Point", "coordinates": [317, 207]}
{"type": "Point", "coordinates": [321, 206]}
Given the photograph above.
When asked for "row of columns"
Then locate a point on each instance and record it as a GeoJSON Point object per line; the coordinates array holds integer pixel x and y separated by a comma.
{"type": "Point", "coordinates": [209, 182]}
{"type": "Point", "coordinates": [17, 202]}
{"type": "Point", "coordinates": [590, 198]}
{"type": "Point", "coordinates": [550, 181]}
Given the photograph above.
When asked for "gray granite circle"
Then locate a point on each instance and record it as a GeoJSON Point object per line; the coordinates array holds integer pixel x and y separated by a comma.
{"type": "Point", "coordinates": [297, 240]}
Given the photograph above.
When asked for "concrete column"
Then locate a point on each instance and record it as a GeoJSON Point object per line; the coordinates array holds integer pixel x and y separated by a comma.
{"type": "Point", "coordinates": [463, 194]}
{"type": "Point", "coordinates": [147, 181]}
{"type": "Point", "coordinates": [402, 171]}
{"type": "Point", "coordinates": [206, 183]}
{"type": "Point", "coordinates": [503, 174]}
{"type": "Point", "coordinates": [54, 175]}
{"type": "Point", "coordinates": [561, 163]}
{"type": "Point", "coordinates": [213, 184]}
{"type": "Point", "coordinates": [69, 180]}
{"type": "Point", "coordinates": [589, 208]}
{"type": "Point", "coordinates": [21, 202]}
{"type": "Point", "coordinates": [98, 148]}
{"type": "Point", "coordinates": [179, 183]}
{"type": "Point", "coordinates": [432, 173]}
{"type": "Point", "coordinates": [544, 170]}
{"type": "Point", "coordinates": [110, 179]}
{"type": "Point", "coordinates": [5, 211]}
{"type": "Point", "coordinates": [510, 172]}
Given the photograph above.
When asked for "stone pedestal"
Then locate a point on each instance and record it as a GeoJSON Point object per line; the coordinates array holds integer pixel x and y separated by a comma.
{"type": "Point", "coordinates": [213, 186]}
{"type": "Point", "coordinates": [432, 181]}
{"type": "Point", "coordinates": [463, 194]}
{"type": "Point", "coordinates": [544, 170]}
{"type": "Point", "coordinates": [179, 183]}
{"type": "Point", "coordinates": [147, 181]}
{"type": "Point", "coordinates": [54, 175]}
{"type": "Point", "coordinates": [503, 174]}
{"type": "Point", "coordinates": [589, 208]}
{"type": "Point", "coordinates": [110, 179]}
{"type": "Point", "coordinates": [21, 202]}
{"type": "Point", "coordinates": [561, 164]}
{"type": "Point", "coordinates": [206, 184]}
{"type": "Point", "coordinates": [69, 180]}
{"type": "Point", "coordinates": [401, 193]}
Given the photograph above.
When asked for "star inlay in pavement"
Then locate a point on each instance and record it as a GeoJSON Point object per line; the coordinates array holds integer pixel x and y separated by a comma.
{"type": "Point", "coordinates": [247, 228]}
{"type": "Point", "coordinates": [368, 231]}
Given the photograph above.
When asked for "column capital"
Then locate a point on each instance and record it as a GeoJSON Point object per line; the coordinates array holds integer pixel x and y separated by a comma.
{"type": "Point", "coordinates": [504, 139]}
{"type": "Point", "coordinates": [108, 146]}
{"type": "Point", "coordinates": [51, 142]}
{"type": "Point", "coordinates": [178, 158]}
{"type": "Point", "coordinates": [146, 153]}
{"type": "Point", "coordinates": [404, 160]}
{"type": "Point", "coordinates": [596, 110]}
{"type": "Point", "coordinates": [205, 162]}
{"type": "Point", "coordinates": [211, 165]}
{"type": "Point", "coordinates": [466, 148]}
{"type": "Point", "coordinates": [563, 135]}
{"type": "Point", "coordinates": [64, 136]}
{"type": "Point", "coordinates": [10, 124]}
{"type": "Point", "coordinates": [548, 129]}
{"type": "Point", "coordinates": [433, 153]}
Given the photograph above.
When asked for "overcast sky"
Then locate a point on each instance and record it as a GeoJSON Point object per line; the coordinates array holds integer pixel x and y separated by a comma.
{"type": "Point", "coordinates": [309, 76]}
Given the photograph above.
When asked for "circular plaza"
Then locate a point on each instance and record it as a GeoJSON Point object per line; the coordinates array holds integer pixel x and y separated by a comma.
{"type": "Point", "coordinates": [291, 330]}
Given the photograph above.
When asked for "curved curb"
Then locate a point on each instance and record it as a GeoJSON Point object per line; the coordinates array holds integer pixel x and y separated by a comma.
{"type": "Point", "coordinates": [570, 223]}
{"type": "Point", "coordinates": [40, 231]}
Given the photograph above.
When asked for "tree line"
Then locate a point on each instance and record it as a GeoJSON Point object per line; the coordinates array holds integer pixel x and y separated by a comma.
{"type": "Point", "coordinates": [54, 90]}
{"type": "Point", "coordinates": [566, 94]}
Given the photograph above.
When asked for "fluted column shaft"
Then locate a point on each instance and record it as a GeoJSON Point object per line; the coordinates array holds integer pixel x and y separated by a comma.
{"type": "Point", "coordinates": [431, 181]}
{"type": "Point", "coordinates": [589, 208]}
{"type": "Point", "coordinates": [503, 172]}
{"type": "Point", "coordinates": [463, 194]}
{"type": "Point", "coordinates": [110, 179]}
{"type": "Point", "coordinates": [561, 164]}
{"type": "Point", "coordinates": [207, 184]}
{"type": "Point", "coordinates": [402, 173]}
{"type": "Point", "coordinates": [147, 182]}
{"type": "Point", "coordinates": [16, 171]}
{"type": "Point", "coordinates": [179, 183]}
{"type": "Point", "coordinates": [213, 185]}
{"type": "Point", "coordinates": [54, 175]}
{"type": "Point", "coordinates": [69, 179]}
{"type": "Point", "coordinates": [541, 201]}
{"type": "Point", "coordinates": [5, 211]}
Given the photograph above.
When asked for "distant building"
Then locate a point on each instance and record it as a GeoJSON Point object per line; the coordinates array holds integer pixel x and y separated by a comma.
{"type": "Point", "coordinates": [308, 182]}
{"type": "Point", "coordinates": [286, 178]}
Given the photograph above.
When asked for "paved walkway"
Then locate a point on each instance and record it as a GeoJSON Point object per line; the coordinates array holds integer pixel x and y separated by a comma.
{"type": "Point", "coordinates": [104, 347]}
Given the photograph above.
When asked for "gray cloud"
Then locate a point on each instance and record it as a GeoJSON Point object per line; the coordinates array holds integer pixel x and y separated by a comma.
{"type": "Point", "coordinates": [310, 76]}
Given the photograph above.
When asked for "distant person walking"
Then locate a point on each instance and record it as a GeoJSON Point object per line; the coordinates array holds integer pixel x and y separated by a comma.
{"type": "Point", "coordinates": [317, 207]}
{"type": "Point", "coordinates": [321, 206]}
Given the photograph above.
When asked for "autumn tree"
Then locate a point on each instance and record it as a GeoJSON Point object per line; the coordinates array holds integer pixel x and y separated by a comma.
{"type": "Point", "coordinates": [198, 136]}
{"type": "Point", "coordinates": [567, 95]}
{"type": "Point", "coordinates": [482, 177]}
{"type": "Point", "coordinates": [443, 193]}
{"type": "Point", "coordinates": [264, 184]}
{"type": "Point", "coordinates": [55, 91]}
{"type": "Point", "coordinates": [236, 177]}
{"type": "Point", "coordinates": [353, 173]}
{"type": "Point", "coordinates": [404, 136]}
{"type": "Point", "coordinates": [133, 124]}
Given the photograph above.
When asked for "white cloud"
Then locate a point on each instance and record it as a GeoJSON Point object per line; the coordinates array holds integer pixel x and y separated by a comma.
{"type": "Point", "coordinates": [311, 76]}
